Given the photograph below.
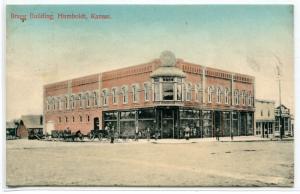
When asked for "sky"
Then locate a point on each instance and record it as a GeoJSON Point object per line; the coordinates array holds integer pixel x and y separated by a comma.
{"type": "Point", "coordinates": [248, 39]}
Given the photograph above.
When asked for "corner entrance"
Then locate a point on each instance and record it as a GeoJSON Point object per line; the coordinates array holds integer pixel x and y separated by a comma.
{"type": "Point", "coordinates": [167, 122]}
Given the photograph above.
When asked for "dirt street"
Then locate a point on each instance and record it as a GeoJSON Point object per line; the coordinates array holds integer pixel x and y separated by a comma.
{"type": "Point", "coordinates": [43, 163]}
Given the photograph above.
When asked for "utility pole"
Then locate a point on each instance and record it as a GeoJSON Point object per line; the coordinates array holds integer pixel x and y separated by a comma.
{"type": "Point", "coordinates": [279, 86]}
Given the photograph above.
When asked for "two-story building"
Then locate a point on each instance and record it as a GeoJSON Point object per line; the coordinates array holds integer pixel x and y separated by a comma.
{"type": "Point", "coordinates": [164, 95]}
{"type": "Point", "coordinates": [264, 117]}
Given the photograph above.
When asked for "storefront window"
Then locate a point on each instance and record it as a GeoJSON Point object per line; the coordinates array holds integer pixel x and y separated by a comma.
{"type": "Point", "coordinates": [207, 123]}
{"type": "Point", "coordinates": [226, 117]}
{"type": "Point", "coordinates": [235, 123]}
{"type": "Point", "coordinates": [128, 115]}
{"type": "Point", "coordinates": [250, 124]}
{"type": "Point", "coordinates": [146, 114]}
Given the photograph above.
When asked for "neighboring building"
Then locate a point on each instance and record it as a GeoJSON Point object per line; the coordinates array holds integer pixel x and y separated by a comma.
{"type": "Point", "coordinates": [286, 121]}
{"type": "Point", "coordinates": [164, 95]}
{"type": "Point", "coordinates": [30, 123]}
{"type": "Point", "coordinates": [264, 118]}
{"type": "Point", "coordinates": [11, 130]}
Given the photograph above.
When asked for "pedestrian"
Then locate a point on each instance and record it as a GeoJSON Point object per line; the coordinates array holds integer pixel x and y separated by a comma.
{"type": "Point", "coordinates": [187, 133]}
{"type": "Point", "coordinates": [218, 134]}
{"type": "Point", "coordinates": [112, 134]}
{"type": "Point", "coordinates": [231, 135]}
{"type": "Point", "coordinates": [136, 133]}
{"type": "Point", "coordinates": [148, 133]}
{"type": "Point", "coordinates": [156, 134]}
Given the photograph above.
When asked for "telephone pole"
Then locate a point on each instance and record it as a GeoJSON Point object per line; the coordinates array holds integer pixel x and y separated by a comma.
{"type": "Point", "coordinates": [279, 86]}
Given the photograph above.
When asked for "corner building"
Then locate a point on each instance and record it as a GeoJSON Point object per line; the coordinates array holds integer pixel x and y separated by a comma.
{"type": "Point", "coordinates": [165, 95]}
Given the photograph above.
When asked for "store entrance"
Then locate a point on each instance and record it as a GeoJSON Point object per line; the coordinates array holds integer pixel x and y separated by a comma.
{"type": "Point", "coordinates": [167, 122]}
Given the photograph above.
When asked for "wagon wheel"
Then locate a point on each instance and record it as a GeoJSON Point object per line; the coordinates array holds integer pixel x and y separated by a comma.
{"type": "Point", "coordinates": [100, 136]}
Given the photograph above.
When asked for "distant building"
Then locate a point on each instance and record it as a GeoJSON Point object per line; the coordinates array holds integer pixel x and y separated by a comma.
{"type": "Point", "coordinates": [28, 124]}
{"type": "Point", "coordinates": [165, 95]}
{"type": "Point", "coordinates": [286, 121]}
{"type": "Point", "coordinates": [11, 130]}
{"type": "Point", "coordinates": [264, 118]}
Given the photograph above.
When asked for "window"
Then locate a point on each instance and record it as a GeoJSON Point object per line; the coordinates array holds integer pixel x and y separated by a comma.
{"type": "Point", "coordinates": [73, 119]}
{"type": "Point", "coordinates": [66, 103]}
{"type": "Point", "coordinates": [114, 95]}
{"type": "Point", "coordinates": [88, 118]}
{"type": "Point", "coordinates": [243, 98]}
{"type": "Point", "coordinates": [80, 102]}
{"type": "Point", "coordinates": [105, 97]}
{"type": "Point", "coordinates": [218, 95]}
{"type": "Point", "coordinates": [59, 119]}
{"type": "Point", "coordinates": [146, 91]}
{"type": "Point", "coordinates": [168, 91]}
{"type": "Point", "coordinates": [226, 96]}
{"type": "Point", "coordinates": [179, 89]}
{"type": "Point", "coordinates": [261, 113]}
{"type": "Point", "coordinates": [80, 118]}
{"type": "Point", "coordinates": [196, 93]}
{"type": "Point", "coordinates": [58, 104]}
{"type": "Point", "coordinates": [66, 119]}
{"type": "Point", "coordinates": [87, 96]}
{"type": "Point", "coordinates": [236, 97]}
{"type": "Point", "coordinates": [249, 100]}
{"type": "Point", "coordinates": [72, 100]}
{"type": "Point", "coordinates": [48, 104]}
{"type": "Point", "coordinates": [54, 104]}
{"type": "Point", "coordinates": [95, 99]}
{"type": "Point", "coordinates": [134, 93]}
{"type": "Point", "coordinates": [268, 113]}
{"type": "Point", "coordinates": [210, 94]}
{"type": "Point", "coordinates": [156, 91]}
{"type": "Point", "coordinates": [125, 94]}
{"type": "Point", "coordinates": [189, 92]}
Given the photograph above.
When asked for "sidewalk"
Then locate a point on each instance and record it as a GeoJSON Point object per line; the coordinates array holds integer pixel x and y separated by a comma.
{"type": "Point", "coordinates": [213, 139]}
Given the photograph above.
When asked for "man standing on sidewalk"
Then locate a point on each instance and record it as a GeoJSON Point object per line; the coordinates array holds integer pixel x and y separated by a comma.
{"type": "Point", "coordinates": [218, 134]}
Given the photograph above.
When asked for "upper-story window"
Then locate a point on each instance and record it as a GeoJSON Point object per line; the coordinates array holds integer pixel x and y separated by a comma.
{"type": "Point", "coordinates": [124, 91]}
{"type": "Point", "coordinates": [168, 88]}
{"type": "Point", "coordinates": [243, 97]}
{"type": "Point", "coordinates": [189, 92]}
{"type": "Point", "coordinates": [104, 97]}
{"type": "Point", "coordinates": [59, 103]}
{"type": "Point", "coordinates": [72, 102]}
{"type": "Point", "coordinates": [249, 99]}
{"type": "Point", "coordinates": [54, 104]}
{"type": "Point", "coordinates": [80, 100]}
{"type": "Point", "coordinates": [146, 91]}
{"type": "Point", "coordinates": [179, 89]}
{"type": "Point", "coordinates": [226, 94]}
{"type": "Point", "coordinates": [261, 113]}
{"type": "Point", "coordinates": [135, 93]}
{"type": "Point", "coordinates": [196, 93]}
{"type": "Point", "coordinates": [66, 102]}
{"type": "Point", "coordinates": [87, 96]}
{"type": "Point", "coordinates": [269, 113]}
{"type": "Point", "coordinates": [236, 97]}
{"type": "Point", "coordinates": [48, 104]}
{"type": "Point", "coordinates": [218, 95]}
{"type": "Point", "coordinates": [156, 90]}
{"type": "Point", "coordinates": [210, 92]}
{"type": "Point", "coordinates": [114, 96]}
{"type": "Point", "coordinates": [95, 98]}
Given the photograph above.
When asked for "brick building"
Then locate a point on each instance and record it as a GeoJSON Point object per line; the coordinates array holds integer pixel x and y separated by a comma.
{"type": "Point", "coordinates": [164, 95]}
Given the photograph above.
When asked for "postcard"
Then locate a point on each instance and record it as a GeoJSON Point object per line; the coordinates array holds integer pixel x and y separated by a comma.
{"type": "Point", "coordinates": [150, 95]}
